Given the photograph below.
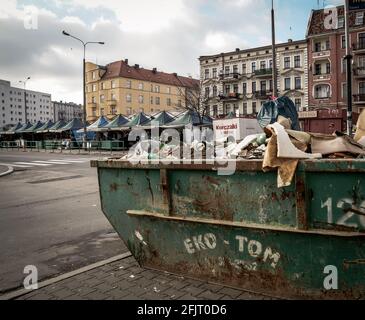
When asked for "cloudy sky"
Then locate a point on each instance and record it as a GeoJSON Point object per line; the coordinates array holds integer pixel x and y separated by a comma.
{"type": "Point", "coordinates": [167, 34]}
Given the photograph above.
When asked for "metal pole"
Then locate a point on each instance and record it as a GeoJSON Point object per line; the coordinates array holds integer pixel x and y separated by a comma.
{"type": "Point", "coordinates": [25, 103]}
{"type": "Point", "coordinates": [84, 98]}
{"type": "Point", "coordinates": [274, 74]}
{"type": "Point", "coordinates": [348, 59]}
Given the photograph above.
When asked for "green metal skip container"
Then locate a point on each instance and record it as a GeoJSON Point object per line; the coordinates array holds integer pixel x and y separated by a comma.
{"type": "Point", "coordinates": [303, 241]}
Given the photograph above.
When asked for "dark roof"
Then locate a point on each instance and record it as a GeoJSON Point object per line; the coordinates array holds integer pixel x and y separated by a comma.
{"type": "Point", "coordinates": [250, 50]}
{"type": "Point", "coordinates": [117, 122]}
{"type": "Point", "coordinates": [317, 18]}
{"type": "Point", "coordinates": [122, 69]}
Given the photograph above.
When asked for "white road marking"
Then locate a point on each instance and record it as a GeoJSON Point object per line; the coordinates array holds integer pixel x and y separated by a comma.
{"type": "Point", "coordinates": [15, 165]}
{"type": "Point", "coordinates": [49, 162]}
{"type": "Point", "coordinates": [68, 161]}
{"type": "Point", "coordinates": [33, 164]}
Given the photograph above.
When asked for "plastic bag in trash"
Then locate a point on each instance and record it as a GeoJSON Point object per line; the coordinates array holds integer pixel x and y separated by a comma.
{"type": "Point", "coordinates": [282, 106]}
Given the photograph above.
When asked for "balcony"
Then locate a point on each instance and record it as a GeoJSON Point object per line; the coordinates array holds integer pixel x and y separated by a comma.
{"type": "Point", "coordinates": [358, 46]}
{"type": "Point", "coordinates": [230, 96]}
{"type": "Point", "coordinates": [359, 98]}
{"type": "Point", "coordinates": [262, 94]}
{"type": "Point", "coordinates": [321, 54]}
{"type": "Point", "coordinates": [321, 76]}
{"type": "Point", "coordinates": [263, 72]}
{"type": "Point", "coordinates": [359, 72]}
{"type": "Point", "coordinates": [229, 76]}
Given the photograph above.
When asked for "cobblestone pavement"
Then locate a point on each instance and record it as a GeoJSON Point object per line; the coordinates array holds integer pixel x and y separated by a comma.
{"type": "Point", "coordinates": [125, 280]}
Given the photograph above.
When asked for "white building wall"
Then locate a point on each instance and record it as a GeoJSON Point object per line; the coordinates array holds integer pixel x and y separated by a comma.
{"type": "Point", "coordinates": [12, 107]}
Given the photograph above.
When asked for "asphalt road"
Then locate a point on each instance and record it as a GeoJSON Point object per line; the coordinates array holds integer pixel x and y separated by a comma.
{"type": "Point", "coordinates": [50, 216]}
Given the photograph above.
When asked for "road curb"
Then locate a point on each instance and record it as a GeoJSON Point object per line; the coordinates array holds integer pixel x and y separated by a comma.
{"type": "Point", "coordinates": [21, 292]}
{"type": "Point", "coordinates": [9, 171]}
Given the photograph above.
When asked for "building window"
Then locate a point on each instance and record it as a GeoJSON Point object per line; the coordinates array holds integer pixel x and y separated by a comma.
{"type": "Point", "coordinates": [206, 74]}
{"type": "Point", "coordinates": [102, 98]}
{"type": "Point", "coordinates": [328, 68]}
{"type": "Point", "coordinates": [157, 100]}
{"type": "Point", "coordinates": [263, 65]}
{"type": "Point", "coordinates": [328, 45]}
{"type": "Point", "coordinates": [263, 86]}
{"type": "Point", "coordinates": [168, 102]}
{"type": "Point", "coordinates": [287, 83]}
{"type": "Point", "coordinates": [254, 107]}
{"type": "Point", "coordinates": [215, 91]}
{"type": "Point", "coordinates": [341, 22]}
{"type": "Point", "coordinates": [235, 69]}
{"type": "Point", "coordinates": [286, 62]}
{"type": "Point", "coordinates": [93, 112]}
{"type": "Point", "coordinates": [140, 99]}
{"type": "Point", "coordinates": [235, 88]}
{"type": "Point", "coordinates": [244, 68]}
{"type": "Point", "coordinates": [129, 84]}
{"type": "Point", "coordinates": [151, 100]}
{"type": "Point", "coordinates": [114, 97]}
{"type": "Point", "coordinates": [244, 88]}
{"type": "Point", "coordinates": [214, 73]}
{"type": "Point", "coordinates": [244, 108]}
{"type": "Point", "coordinates": [253, 66]}
{"type": "Point", "coordinates": [129, 98]}
{"type": "Point", "coordinates": [321, 91]}
{"type": "Point", "coordinates": [362, 88]}
{"type": "Point", "coordinates": [102, 86]}
{"type": "Point", "coordinates": [207, 92]}
{"type": "Point", "coordinates": [168, 90]}
{"type": "Point", "coordinates": [298, 83]}
{"type": "Point", "coordinates": [270, 84]}
{"type": "Point", "coordinates": [140, 86]}
{"type": "Point", "coordinates": [317, 69]}
{"type": "Point", "coordinates": [297, 63]}
{"type": "Point", "coordinates": [227, 70]}
{"type": "Point", "coordinates": [101, 111]}
{"type": "Point", "coordinates": [227, 89]}
{"type": "Point", "coordinates": [344, 90]}
{"type": "Point", "coordinates": [94, 87]}
{"type": "Point", "coordinates": [359, 18]}
{"type": "Point", "coordinates": [317, 47]}
{"type": "Point", "coordinates": [343, 42]}
{"type": "Point", "coordinates": [215, 111]}
{"type": "Point", "coordinates": [253, 86]}
{"type": "Point", "coordinates": [94, 75]}
{"type": "Point", "coordinates": [113, 84]}
{"type": "Point", "coordinates": [361, 43]}
{"type": "Point", "coordinates": [179, 104]}
{"type": "Point", "coordinates": [157, 89]}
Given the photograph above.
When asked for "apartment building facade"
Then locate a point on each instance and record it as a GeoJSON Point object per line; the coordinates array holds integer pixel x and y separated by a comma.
{"type": "Point", "coordinates": [66, 111]}
{"type": "Point", "coordinates": [13, 102]}
{"type": "Point", "coordinates": [241, 81]}
{"type": "Point", "coordinates": [327, 67]}
{"type": "Point", "coordinates": [119, 88]}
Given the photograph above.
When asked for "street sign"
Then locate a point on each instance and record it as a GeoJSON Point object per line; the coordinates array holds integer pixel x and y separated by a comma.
{"type": "Point", "coordinates": [357, 4]}
{"type": "Point", "coordinates": [307, 114]}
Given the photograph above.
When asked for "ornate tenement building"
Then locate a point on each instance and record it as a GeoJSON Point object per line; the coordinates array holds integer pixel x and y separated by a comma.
{"type": "Point", "coordinates": [327, 69]}
{"type": "Point", "coordinates": [241, 81]}
{"type": "Point", "coordinates": [119, 88]}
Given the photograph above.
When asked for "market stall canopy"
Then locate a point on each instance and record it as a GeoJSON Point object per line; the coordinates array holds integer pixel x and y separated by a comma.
{"type": "Point", "coordinates": [163, 118]}
{"type": "Point", "coordinates": [34, 127]}
{"type": "Point", "coordinates": [116, 124]}
{"type": "Point", "coordinates": [13, 129]}
{"type": "Point", "coordinates": [96, 126]}
{"type": "Point", "coordinates": [24, 127]}
{"type": "Point", "coordinates": [74, 125]}
{"type": "Point", "coordinates": [49, 124]}
{"type": "Point", "coordinates": [58, 125]}
{"type": "Point", "coordinates": [138, 120]}
{"type": "Point", "coordinates": [189, 118]}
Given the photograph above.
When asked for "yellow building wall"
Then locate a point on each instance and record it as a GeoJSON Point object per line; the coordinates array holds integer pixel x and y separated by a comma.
{"type": "Point", "coordinates": [121, 89]}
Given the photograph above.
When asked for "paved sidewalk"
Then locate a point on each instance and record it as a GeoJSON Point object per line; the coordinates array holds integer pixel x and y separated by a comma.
{"type": "Point", "coordinates": [125, 280]}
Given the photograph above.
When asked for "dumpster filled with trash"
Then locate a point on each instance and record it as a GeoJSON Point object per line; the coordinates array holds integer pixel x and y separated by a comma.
{"type": "Point", "coordinates": [280, 213]}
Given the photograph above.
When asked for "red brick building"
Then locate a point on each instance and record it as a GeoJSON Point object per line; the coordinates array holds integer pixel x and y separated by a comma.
{"type": "Point", "coordinates": [326, 66]}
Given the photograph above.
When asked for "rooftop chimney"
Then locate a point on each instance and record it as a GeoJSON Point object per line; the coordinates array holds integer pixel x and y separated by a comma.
{"type": "Point", "coordinates": [290, 40]}
{"type": "Point", "coordinates": [136, 66]}
{"type": "Point", "coordinates": [154, 70]}
{"type": "Point", "coordinates": [126, 61]}
{"type": "Point", "coordinates": [237, 49]}
{"type": "Point", "coordinates": [175, 74]}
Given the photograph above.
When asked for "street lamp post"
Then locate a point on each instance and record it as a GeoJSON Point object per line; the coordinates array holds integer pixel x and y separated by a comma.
{"type": "Point", "coordinates": [24, 82]}
{"type": "Point", "coordinates": [274, 74]}
{"type": "Point", "coordinates": [84, 79]}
